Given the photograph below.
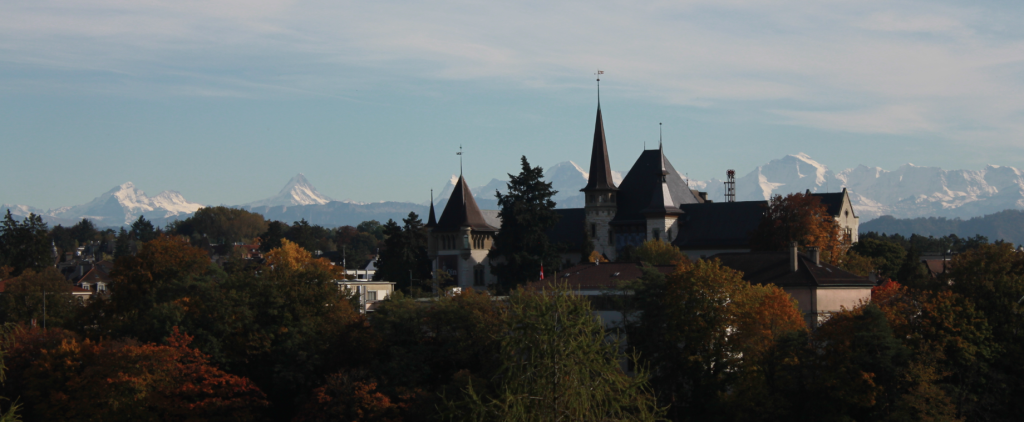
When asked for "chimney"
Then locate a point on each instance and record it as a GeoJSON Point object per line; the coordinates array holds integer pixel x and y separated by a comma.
{"type": "Point", "coordinates": [794, 258]}
{"type": "Point", "coordinates": [815, 255]}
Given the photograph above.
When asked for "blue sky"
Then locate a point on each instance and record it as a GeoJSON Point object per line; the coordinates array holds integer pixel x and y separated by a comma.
{"type": "Point", "coordinates": [224, 101]}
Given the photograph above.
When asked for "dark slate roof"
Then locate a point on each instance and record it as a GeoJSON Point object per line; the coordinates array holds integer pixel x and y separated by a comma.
{"type": "Point", "coordinates": [570, 230]}
{"type": "Point", "coordinates": [603, 275]}
{"type": "Point", "coordinates": [718, 224]}
{"type": "Point", "coordinates": [600, 169]}
{"type": "Point", "coordinates": [640, 185]}
{"type": "Point", "coordinates": [834, 201]}
{"type": "Point", "coordinates": [431, 220]}
{"type": "Point", "coordinates": [773, 268]}
{"type": "Point", "coordinates": [461, 210]}
{"type": "Point", "coordinates": [662, 202]}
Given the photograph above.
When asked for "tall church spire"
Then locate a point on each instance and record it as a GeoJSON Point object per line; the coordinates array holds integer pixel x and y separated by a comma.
{"type": "Point", "coordinates": [431, 220]}
{"type": "Point", "coordinates": [600, 169]}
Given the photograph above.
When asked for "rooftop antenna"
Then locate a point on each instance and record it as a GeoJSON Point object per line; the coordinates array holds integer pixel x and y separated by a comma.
{"type": "Point", "coordinates": [730, 185]}
{"type": "Point", "coordinates": [659, 135]}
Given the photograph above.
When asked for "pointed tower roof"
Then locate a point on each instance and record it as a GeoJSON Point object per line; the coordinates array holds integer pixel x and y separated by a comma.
{"type": "Point", "coordinates": [462, 210]}
{"type": "Point", "coordinates": [661, 197]}
{"type": "Point", "coordinates": [600, 169]}
{"type": "Point", "coordinates": [431, 220]}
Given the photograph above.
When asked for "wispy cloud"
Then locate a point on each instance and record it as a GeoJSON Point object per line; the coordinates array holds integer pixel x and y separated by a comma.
{"type": "Point", "coordinates": [862, 66]}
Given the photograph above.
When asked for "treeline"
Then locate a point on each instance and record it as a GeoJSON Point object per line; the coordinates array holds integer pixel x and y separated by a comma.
{"type": "Point", "coordinates": [179, 338]}
{"type": "Point", "coordinates": [1007, 225]}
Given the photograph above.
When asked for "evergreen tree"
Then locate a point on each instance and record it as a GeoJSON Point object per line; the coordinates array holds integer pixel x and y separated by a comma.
{"type": "Point", "coordinates": [527, 213]}
{"type": "Point", "coordinates": [143, 230]}
{"type": "Point", "coordinates": [390, 265]}
{"type": "Point", "coordinates": [276, 231]}
{"type": "Point", "coordinates": [24, 245]}
{"type": "Point", "coordinates": [122, 247]}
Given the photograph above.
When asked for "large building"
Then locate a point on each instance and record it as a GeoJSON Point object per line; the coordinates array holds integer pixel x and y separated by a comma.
{"type": "Point", "coordinates": [653, 202]}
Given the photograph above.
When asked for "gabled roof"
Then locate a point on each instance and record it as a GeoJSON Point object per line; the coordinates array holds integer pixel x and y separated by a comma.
{"type": "Point", "coordinates": [96, 274]}
{"type": "Point", "coordinates": [643, 181]}
{"type": "Point", "coordinates": [461, 210]}
{"type": "Point", "coordinates": [600, 169]}
{"type": "Point", "coordinates": [718, 225]}
{"type": "Point", "coordinates": [834, 201]}
{"type": "Point", "coordinates": [773, 268]}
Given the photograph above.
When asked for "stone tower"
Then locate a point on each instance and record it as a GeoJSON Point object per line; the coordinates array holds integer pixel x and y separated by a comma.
{"type": "Point", "coordinates": [600, 194]}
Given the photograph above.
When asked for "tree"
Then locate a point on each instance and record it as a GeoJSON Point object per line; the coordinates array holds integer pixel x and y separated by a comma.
{"type": "Point", "coordinates": [404, 256]}
{"type": "Point", "coordinates": [276, 231]}
{"type": "Point", "coordinates": [122, 246]}
{"type": "Point", "coordinates": [658, 252]}
{"type": "Point", "coordinates": [119, 380]}
{"type": "Point", "coordinates": [556, 365]}
{"type": "Point", "coordinates": [800, 218]}
{"type": "Point", "coordinates": [527, 213]}
{"type": "Point", "coordinates": [143, 230]}
{"type": "Point", "coordinates": [887, 256]}
{"type": "Point", "coordinates": [22, 299]}
{"type": "Point", "coordinates": [700, 329]}
{"type": "Point", "coordinates": [221, 224]}
{"type": "Point", "coordinates": [24, 245]}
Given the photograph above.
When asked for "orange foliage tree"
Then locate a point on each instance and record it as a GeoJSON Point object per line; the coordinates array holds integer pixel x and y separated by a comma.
{"type": "Point", "coordinates": [800, 218]}
{"type": "Point", "coordinates": [63, 378]}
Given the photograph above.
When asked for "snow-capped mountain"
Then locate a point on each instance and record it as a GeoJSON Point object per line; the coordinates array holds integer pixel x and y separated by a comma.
{"type": "Point", "coordinates": [298, 191]}
{"type": "Point", "coordinates": [120, 205]}
{"type": "Point", "coordinates": [566, 177]}
{"type": "Point", "coordinates": [907, 192]}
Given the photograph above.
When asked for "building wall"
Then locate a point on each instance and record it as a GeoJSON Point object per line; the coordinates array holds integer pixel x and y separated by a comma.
{"type": "Point", "coordinates": [665, 228]}
{"type": "Point", "coordinates": [600, 210]}
{"type": "Point", "coordinates": [833, 299]}
{"type": "Point", "coordinates": [848, 220]}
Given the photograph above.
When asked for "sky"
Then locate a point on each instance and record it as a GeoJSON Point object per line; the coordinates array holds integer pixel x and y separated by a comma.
{"type": "Point", "coordinates": [226, 100]}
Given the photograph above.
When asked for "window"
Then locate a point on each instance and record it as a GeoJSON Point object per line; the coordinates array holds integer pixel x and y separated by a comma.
{"type": "Point", "coordinates": [593, 230]}
{"type": "Point", "coordinates": [656, 234]}
{"type": "Point", "coordinates": [478, 275]}
{"type": "Point", "coordinates": [611, 237]}
{"type": "Point", "coordinates": [371, 295]}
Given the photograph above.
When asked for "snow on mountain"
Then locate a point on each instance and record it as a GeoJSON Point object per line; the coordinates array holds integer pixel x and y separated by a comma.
{"type": "Point", "coordinates": [907, 192]}
{"type": "Point", "coordinates": [298, 191]}
{"type": "Point", "coordinates": [120, 205]}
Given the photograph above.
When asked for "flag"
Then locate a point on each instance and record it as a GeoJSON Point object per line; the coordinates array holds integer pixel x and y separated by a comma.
{"type": "Point", "coordinates": [541, 271]}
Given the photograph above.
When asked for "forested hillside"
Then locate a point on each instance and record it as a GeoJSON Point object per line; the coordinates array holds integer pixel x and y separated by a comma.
{"type": "Point", "coordinates": [1005, 225]}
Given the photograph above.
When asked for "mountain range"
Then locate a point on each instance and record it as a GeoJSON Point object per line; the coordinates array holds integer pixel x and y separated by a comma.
{"type": "Point", "coordinates": [907, 192]}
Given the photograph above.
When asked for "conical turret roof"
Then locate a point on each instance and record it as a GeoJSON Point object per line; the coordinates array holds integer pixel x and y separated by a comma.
{"type": "Point", "coordinates": [462, 211]}
{"type": "Point", "coordinates": [431, 220]}
{"type": "Point", "coordinates": [661, 197]}
{"type": "Point", "coordinates": [600, 169]}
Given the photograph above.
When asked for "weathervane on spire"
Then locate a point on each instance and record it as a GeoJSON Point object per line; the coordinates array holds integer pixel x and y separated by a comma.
{"type": "Point", "coordinates": [599, 73]}
{"type": "Point", "coordinates": [460, 159]}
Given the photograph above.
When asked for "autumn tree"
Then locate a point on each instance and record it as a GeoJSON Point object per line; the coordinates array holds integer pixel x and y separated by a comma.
{"type": "Point", "coordinates": [527, 212]}
{"type": "Point", "coordinates": [701, 328]}
{"type": "Point", "coordinates": [64, 378]}
{"type": "Point", "coordinates": [658, 252]}
{"type": "Point", "coordinates": [556, 365]}
{"type": "Point", "coordinates": [800, 218]}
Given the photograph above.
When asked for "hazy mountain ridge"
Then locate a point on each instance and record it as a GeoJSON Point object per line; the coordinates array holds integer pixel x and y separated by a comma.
{"type": "Point", "coordinates": [1007, 225]}
{"type": "Point", "coordinates": [909, 191]}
